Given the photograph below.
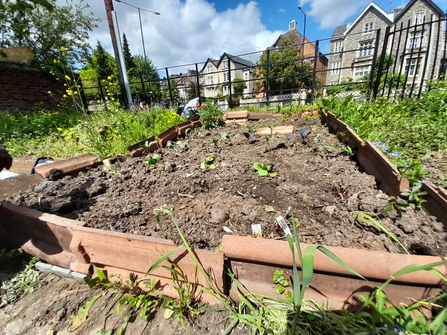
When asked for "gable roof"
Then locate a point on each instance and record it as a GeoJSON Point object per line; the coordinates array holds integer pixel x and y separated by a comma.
{"type": "Point", "coordinates": [209, 60]}
{"type": "Point", "coordinates": [372, 5]}
{"type": "Point", "coordinates": [339, 32]}
{"type": "Point", "coordinates": [412, 2]}
{"type": "Point", "coordinates": [235, 59]}
{"type": "Point", "coordinates": [294, 34]}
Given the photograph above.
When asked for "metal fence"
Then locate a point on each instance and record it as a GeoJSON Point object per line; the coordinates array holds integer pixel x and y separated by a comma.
{"type": "Point", "coordinates": [401, 62]}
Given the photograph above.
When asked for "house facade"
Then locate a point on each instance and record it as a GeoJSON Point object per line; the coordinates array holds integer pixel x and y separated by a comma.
{"type": "Point", "coordinates": [352, 46]}
{"type": "Point", "coordinates": [216, 75]}
{"type": "Point", "coordinates": [307, 50]}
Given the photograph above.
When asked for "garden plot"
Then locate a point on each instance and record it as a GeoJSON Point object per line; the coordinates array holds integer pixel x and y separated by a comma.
{"type": "Point", "coordinates": [208, 181]}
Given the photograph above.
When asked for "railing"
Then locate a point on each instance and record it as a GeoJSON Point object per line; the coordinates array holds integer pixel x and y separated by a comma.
{"type": "Point", "coordinates": [399, 63]}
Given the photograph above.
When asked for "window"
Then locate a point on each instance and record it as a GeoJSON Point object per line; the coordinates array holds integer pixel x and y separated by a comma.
{"type": "Point", "coordinates": [412, 66]}
{"type": "Point", "coordinates": [246, 75]}
{"type": "Point", "coordinates": [337, 46]}
{"type": "Point", "coordinates": [225, 64]}
{"type": "Point", "coordinates": [419, 18]}
{"type": "Point", "coordinates": [335, 68]}
{"type": "Point", "coordinates": [416, 40]}
{"type": "Point", "coordinates": [366, 49]}
{"type": "Point", "coordinates": [210, 80]}
{"type": "Point", "coordinates": [361, 71]}
{"type": "Point", "coordinates": [368, 27]}
{"type": "Point", "coordinates": [209, 68]}
{"type": "Point", "coordinates": [225, 76]}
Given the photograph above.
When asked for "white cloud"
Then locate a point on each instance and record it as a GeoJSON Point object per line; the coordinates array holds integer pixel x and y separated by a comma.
{"type": "Point", "coordinates": [332, 13]}
{"type": "Point", "coordinates": [186, 31]}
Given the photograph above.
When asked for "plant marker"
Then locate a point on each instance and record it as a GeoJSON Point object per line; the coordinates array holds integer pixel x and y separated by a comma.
{"type": "Point", "coordinates": [283, 224]}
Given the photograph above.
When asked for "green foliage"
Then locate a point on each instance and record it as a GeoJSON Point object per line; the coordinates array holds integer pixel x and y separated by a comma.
{"type": "Point", "coordinates": [128, 58]}
{"type": "Point", "coordinates": [211, 116]}
{"type": "Point", "coordinates": [62, 135]}
{"type": "Point", "coordinates": [281, 283]}
{"type": "Point", "coordinates": [287, 70]}
{"type": "Point", "coordinates": [264, 170]}
{"type": "Point", "coordinates": [408, 131]}
{"type": "Point", "coordinates": [45, 27]}
{"type": "Point", "coordinates": [415, 196]}
{"type": "Point", "coordinates": [369, 220]}
{"type": "Point", "coordinates": [151, 161]}
{"type": "Point", "coordinates": [18, 275]}
{"type": "Point", "coordinates": [239, 85]}
{"type": "Point", "coordinates": [208, 163]}
{"type": "Point", "coordinates": [148, 72]}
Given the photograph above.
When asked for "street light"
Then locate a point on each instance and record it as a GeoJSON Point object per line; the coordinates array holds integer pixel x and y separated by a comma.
{"type": "Point", "coordinates": [141, 29]}
{"type": "Point", "coordinates": [304, 32]}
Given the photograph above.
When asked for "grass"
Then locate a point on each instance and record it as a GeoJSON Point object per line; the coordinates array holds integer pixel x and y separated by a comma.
{"type": "Point", "coordinates": [410, 132]}
{"type": "Point", "coordinates": [70, 133]}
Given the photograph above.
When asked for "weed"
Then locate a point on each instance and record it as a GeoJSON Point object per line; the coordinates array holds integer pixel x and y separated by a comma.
{"type": "Point", "coordinates": [349, 151]}
{"type": "Point", "coordinates": [264, 170]}
{"type": "Point", "coordinates": [110, 170]}
{"type": "Point", "coordinates": [367, 218]}
{"type": "Point", "coordinates": [208, 163]}
{"type": "Point", "coordinates": [211, 116]}
{"type": "Point", "coordinates": [281, 283]}
{"type": "Point", "coordinates": [414, 196]}
{"type": "Point", "coordinates": [151, 161]}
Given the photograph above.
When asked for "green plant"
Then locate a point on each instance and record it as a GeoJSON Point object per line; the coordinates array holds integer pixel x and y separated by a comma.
{"type": "Point", "coordinates": [349, 151]}
{"type": "Point", "coordinates": [223, 137]}
{"type": "Point", "coordinates": [151, 161]}
{"type": "Point", "coordinates": [186, 304]}
{"type": "Point", "coordinates": [211, 116]}
{"type": "Point", "coordinates": [208, 163]}
{"type": "Point", "coordinates": [281, 283]}
{"type": "Point", "coordinates": [415, 196]}
{"type": "Point", "coordinates": [18, 275]}
{"type": "Point", "coordinates": [367, 218]}
{"type": "Point", "coordinates": [264, 170]}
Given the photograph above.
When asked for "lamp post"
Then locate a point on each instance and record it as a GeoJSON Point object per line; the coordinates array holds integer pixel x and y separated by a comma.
{"type": "Point", "coordinates": [304, 32]}
{"type": "Point", "coordinates": [141, 29]}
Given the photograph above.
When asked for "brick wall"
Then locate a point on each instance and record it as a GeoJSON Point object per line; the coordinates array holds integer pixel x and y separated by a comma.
{"type": "Point", "coordinates": [22, 86]}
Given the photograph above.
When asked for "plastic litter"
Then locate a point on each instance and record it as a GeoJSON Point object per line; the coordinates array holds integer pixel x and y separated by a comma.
{"type": "Point", "coordinates": [283, 224]}
{"type": "Point", "coordinates": [227, 230]}
{"type": "Point", "coordinates": [256, 230]}
{"type": "Point", "coordinates": [304, 132]}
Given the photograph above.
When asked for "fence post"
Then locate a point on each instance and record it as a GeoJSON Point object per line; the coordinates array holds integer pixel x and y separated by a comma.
{"type": "Point", "coordinates": [267, 78]}
{"type": "Point", "coordinates": [82, 93]}
{"type": "Point", "coordinates": [198, 83]}
{"type": "Point", "coordinates": [230, 95]}
{"type": "Point", "coordinates": [314, 72]}
{"type": "Point", "coordinates": [169, 87]}
{"type": "Point", "coordinates": [142, 83]}
{"type": "Point", "coordinates": [382, 59]}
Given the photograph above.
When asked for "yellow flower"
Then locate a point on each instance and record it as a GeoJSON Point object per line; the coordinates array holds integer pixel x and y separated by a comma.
{"type": "Point", "coordinates": [67, 77]}
{"type": "Point", "coordinates": [60, 129]}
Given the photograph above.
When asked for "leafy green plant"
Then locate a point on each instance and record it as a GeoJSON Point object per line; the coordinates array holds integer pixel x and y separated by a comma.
{"type": "Point", "coordinates": [281, 283]}
{"type": "Point", "coordinates": [211, 116]}
{"type": "Point", "coordinates": [349, 151]}
{"type": "Point", "coordinates": [151, 161]}
{"type": "Point", "coordinates": [415, 196]}
{"type": "Point", "coordinates": [223, 137]}
{"type": "Point", "coordinates": [369, 220]}
{"type": "Point", "coordinates": [208, 163]}
{"type": "Point", "coordinates": [264, 170]}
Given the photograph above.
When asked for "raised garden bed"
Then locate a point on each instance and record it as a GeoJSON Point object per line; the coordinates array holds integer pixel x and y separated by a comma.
{"type": "Point", "coordinates": [321, 184]}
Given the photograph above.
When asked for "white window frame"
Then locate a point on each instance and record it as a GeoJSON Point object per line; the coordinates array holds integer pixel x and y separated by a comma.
{"type": "Point", "coordinates": [208, 68]}
{"type": "Point", "coordinates": [335, 67]}
{"type": "Point", "coordinates": [416, 40]}
{"type": "Point", "coordinates": [419, 18]}
{"type": "Point", "coordinates": [225, 76]}
{"type": "Point", "coordinates": [210, 80]}
{"type": "Point", "coordinates": [366, 49]}
{"type": "Point", "coordinates": [413, 66]}
{"type": "Point", "coordinates": [361, 71]}
{"type": "Point", "coordinates": [338, 46]}
{"type": "Point", "coordinates": [368, 27]}
{"type": "Point", "coordinates": [225, 64]}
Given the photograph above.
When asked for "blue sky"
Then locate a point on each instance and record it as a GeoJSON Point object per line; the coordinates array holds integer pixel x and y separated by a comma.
{"type": "Point", "coordinates": [190, 31]}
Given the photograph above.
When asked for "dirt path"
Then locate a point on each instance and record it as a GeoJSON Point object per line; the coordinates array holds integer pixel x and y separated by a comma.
{"type": "Point", "coordinates": [316, 179]}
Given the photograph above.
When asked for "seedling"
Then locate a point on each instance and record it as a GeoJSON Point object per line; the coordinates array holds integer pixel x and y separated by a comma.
{"type": "Point", "coordinates": [414, 196]}
{"type": "Point", "coordinates": [110, 170]}
{"type": "Point", "coordinates": [152, 160]}
{"type": "Point", "coordinates": [208, 163]}
{"type": "Point", "coordinates": [264, 170]}
{"type": "Point", "coordinates": [281, 283]}
{"type": "Point", "coordinates": [349, 151]}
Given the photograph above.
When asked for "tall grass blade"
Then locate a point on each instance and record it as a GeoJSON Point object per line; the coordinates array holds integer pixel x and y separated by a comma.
{"type": "Point", "coordinates": [161, 259]}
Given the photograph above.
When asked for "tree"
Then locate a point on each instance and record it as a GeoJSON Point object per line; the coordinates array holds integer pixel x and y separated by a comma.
{"type": "Point", "coordinates": [287, 70]}
{"type": "Point", "coordinates": [46, 28]}
{"type": "Point", "coordinates": [128, 58]}
{"type": "Point", "coordinates": [150, 77]}
{"type": "Point", "coordinates": [239, 86]}
{"type": "Point", "coordinates": [103, 62]}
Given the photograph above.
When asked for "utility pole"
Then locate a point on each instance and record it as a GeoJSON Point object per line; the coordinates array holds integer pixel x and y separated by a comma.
{"type": "Point", "coordinates": [109, 8]}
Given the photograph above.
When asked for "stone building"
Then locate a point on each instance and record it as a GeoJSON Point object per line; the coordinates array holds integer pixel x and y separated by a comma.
{"type": "Point", "coordinates": [412, 40]}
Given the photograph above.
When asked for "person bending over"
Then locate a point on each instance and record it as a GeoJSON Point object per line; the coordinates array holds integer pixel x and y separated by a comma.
{"type": "Point", "coordinates": [5, 159]}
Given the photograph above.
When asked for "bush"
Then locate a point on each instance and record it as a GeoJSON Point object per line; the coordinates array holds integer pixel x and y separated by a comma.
{"type": "Point", "coordinates": [211, 116]}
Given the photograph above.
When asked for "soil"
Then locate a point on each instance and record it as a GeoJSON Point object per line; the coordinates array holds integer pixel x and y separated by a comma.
{"type": "Point", "coordinates": [49, 309]}
{"type": "Point", "coordinates": [316, 180]}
